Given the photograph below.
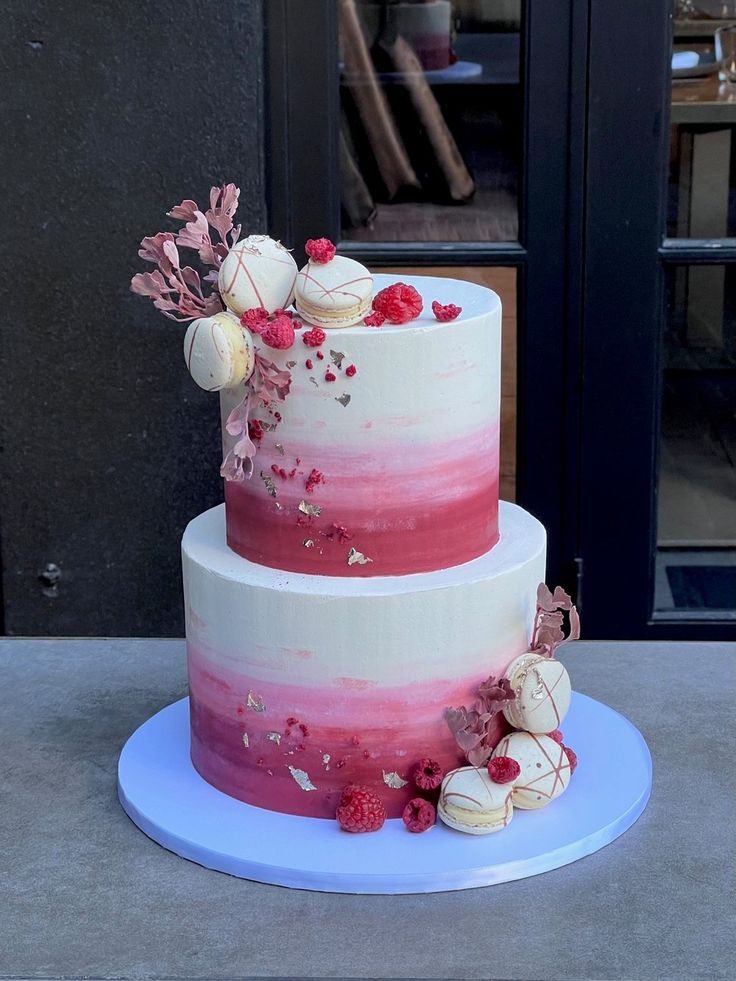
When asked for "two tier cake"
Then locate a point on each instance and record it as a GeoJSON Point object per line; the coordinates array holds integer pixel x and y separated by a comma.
{"type": "Point", "coordinates": [354, 607]}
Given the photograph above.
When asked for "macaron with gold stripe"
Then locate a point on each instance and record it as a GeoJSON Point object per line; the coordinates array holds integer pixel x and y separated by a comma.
{"type": "Point", "coordinates": [471, 802]}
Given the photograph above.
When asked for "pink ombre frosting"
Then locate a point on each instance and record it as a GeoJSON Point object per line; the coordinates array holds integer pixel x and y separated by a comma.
{"type": "Point", "coordinates": [407, 447]}
{"type": "Point", "coordinates": [305, 681]}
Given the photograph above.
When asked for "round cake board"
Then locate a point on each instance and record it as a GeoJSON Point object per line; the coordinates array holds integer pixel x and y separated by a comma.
{"type": "Point", "coordinates": [164, 795]}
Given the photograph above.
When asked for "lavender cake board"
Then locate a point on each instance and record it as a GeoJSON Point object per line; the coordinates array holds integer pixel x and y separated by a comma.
{"type": "Point", "coordinates": [167, 799]}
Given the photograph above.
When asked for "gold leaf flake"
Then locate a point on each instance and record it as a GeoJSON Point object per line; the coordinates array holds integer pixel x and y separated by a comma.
{"type": "Point", "coordinates": [337, 358]}
{"type": "Point", "coordinates": [270, 483]}
{"type": "Point", "coordinates": [255, 702]}
{"type": "Point", "coordinates": [393, 780]}
{"type": "Point", "coordinates": [302, 778]}
{"type": "Point", "coordinates": [268, 426]}
{"type": "Point", "coordinates": [279, 507]}
{"type": "Point", "coordinates": [343, 399]}
{"type": "Point", "coordinates": [280, 449]}
{"type": "Point", "coordinates": [357, 558]}
{"type": "Point", "coordinates": [275, 737]}
{"type": "Point", "coordinates": [308, 543]}
{"type": "Point", "coordinates": [313, 510]}
{"type": "Point", "coordinates": [246, 740]}
{"type": "Point", "coordinates": [291, 364]}
{"type": "Point", "coordinates": [326, 761]}
{"type": "Point", "coordinates": [314, 381]}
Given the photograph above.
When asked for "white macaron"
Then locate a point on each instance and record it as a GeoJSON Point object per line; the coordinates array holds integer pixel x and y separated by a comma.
{"type": "Point", "coordinates": [219, 352]}
{"type": "Point", "coordinates": [257, 272]}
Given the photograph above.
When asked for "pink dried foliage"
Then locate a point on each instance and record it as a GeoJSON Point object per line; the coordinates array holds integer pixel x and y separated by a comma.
{"type": "Point", "coordinates": [268, 383]}
{"type": "Point", "coordinates": [472, 727]}
{"type": "Point", "coordinates": [176, 290]}
{"type": "Point", "coordinates": [549, 622]}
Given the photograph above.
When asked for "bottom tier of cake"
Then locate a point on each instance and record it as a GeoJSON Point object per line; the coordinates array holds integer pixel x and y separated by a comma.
{"type": "Point", "coordinates": [302, 684]}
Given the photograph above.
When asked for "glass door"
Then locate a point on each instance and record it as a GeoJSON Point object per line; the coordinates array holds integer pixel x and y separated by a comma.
{"type": "Point", "coordinates": [658, 473]}
{"type": "Point", "coordinates": [433, 137]}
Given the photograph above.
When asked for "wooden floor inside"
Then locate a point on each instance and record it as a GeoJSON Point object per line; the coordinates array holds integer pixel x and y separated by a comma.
{"type": "Point", "coordinates": [503, 282]}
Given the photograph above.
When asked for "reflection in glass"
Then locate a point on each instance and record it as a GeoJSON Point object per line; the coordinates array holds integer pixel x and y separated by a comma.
{"type": "Point", "coordinates": [431, 119]}
{"type": "Point", "coordinates": [696, 524]}
{"type": "Point", "coordinates": [702, 181]}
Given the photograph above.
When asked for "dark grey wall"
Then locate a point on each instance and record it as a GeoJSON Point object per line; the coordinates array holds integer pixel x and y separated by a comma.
{"type": "Point", "coordinates": [112, 112]}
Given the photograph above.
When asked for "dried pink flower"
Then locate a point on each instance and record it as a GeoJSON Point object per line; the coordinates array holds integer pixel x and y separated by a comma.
{"type": "Point", "coordinates": [177, 291]}
{"type": "Point", "coordinates": [549, 622]}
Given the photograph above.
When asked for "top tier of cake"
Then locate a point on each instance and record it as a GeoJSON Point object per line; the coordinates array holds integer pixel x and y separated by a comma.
{"type": "Point", "coordinates": [383, 459]}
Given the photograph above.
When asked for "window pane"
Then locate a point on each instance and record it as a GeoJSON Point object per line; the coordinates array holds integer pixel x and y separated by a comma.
{"type": "Point", "coordinates": [430, 132]}
{"type": "Point", "coordinates": [702, 179]}
{"type": "Point", "coordinates": [696, 533]}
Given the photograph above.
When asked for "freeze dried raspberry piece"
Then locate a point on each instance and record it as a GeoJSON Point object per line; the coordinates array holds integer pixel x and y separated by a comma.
{"type": "Point", "coordinates": [374, 319]}
{"type": "Point", "coordinates": [255, 320]}
{"type": "Point", "coordinates": [314, 337]}
{"type": "Point", "coordinates": [444, 312]}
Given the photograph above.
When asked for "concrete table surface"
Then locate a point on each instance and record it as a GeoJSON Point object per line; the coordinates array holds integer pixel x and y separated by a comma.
{"type": "Point", "coordinates": [85, 894]}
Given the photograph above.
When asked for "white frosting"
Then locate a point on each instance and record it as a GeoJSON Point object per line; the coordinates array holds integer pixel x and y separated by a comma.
{"type": "Point", "coordinates": [543, 692]}
{"type": "Point", "coordinates": [466, 621]}
{"type": "Point", "coordinates": [257, 272]}
{"type": "Point", "coordinates": [219, 353]}
{"type": "Point", "coordinates": [423, 382]}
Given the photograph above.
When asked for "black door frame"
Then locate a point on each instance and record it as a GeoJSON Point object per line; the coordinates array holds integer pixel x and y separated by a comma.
{"type": "Point", "coordinates": [625, 257]}
{"type": "Point", "coordinates": [303, 202]}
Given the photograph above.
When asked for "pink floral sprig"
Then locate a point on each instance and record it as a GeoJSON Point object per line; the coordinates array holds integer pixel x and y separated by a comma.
{"type": "Point", "coordinates": [549, 622]}
{"type": "Point", "coordinates": [472, 728]}
{"type": "Point", "coordinates": [268, 383]}
{"type": "Point", "coordinates": [176, 290]}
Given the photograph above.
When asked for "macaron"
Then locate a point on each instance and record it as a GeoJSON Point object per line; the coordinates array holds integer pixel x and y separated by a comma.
{"type": "Point", "coordinates": [471, 802]}
{"type": "Point", "coordinates": [337, 293]}
{"type": "Point", "coordinates": [543, 691]}
{"type": "Point", "coordinates": [545, 768]}
{"type": "Point", "coordinates": [257, 272]}
{"type": "Point", "coordinates": [219, 352]}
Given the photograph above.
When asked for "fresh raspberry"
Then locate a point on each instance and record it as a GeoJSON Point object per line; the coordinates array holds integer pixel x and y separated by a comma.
{"type": "Point", "coordinates": [360, 810]}
{"type": "Point", "coordinates": [445, 312]}
{"type": "Point", "coordinates": [572, 758]}
{"type": "Point", "coordinates": [419, 815]}
{"type": "Point", "coordinates": [314, 337]}
{"type": "Point", "coordinates": [281, 312]}
{"type": "Point", "coordinates": [255, 320]}
{"type": "Point", "coordinates": [351, 371]}
{"type": "Point", "coordinates": [320, 250]}
{"type": "Point", "coordinates": [398, 303]}
{"type": "Point", "coordinates": [309, 364]}
{"type": "Point", "coordinates": [256, 430]}
{"type": "Point", "coordinates": [428, 774]}
{"type": "Point", "coordinates": [556, 734]}
{"type": "Point", "coordinates": [374, 319]}
{"type": "Point", "coordinates": [330, 375]}
{"type": "Point", "coordinates": [280, 333]}
{"type": "Point", "coordinates": [502, 769]}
